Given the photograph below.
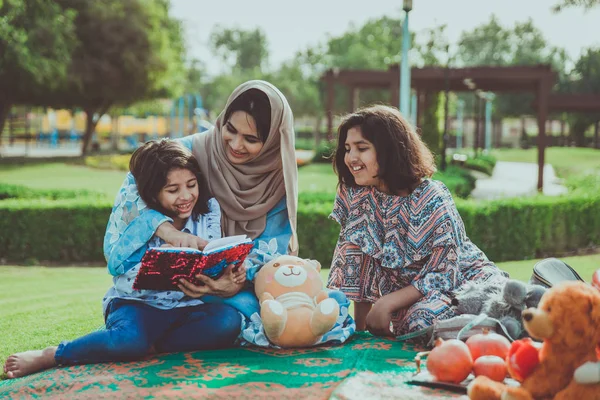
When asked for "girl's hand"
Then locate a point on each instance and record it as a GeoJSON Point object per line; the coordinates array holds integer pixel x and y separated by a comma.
{"type": "Point", "coordinates": [167, 232]}
{"type": "Point", "coordinates": [239, 273]}
{"type": "Point", "coordinates": [222, 287]}
{"type": "Point", "coordinates": [380, 316]}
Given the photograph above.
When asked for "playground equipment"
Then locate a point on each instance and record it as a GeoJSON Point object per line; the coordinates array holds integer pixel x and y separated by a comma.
{"type": "Point", "coordinates": [178, 126]}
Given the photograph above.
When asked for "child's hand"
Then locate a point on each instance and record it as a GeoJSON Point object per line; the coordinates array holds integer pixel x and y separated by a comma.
{"type": "Point", "coordinates": [379, 318]}
{"type": "Point", "coordinates": [238, 273]}
{"type": "Point", "coordinates": [167, 232]}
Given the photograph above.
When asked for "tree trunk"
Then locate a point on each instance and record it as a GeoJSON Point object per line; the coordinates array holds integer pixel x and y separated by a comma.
{"type": "Point", "coordinates": [4, 110]}
{"type": "Point", "coordinates": [90, 125]}
{"type": "Point", "coordinates": [114, 134]}
{"type": "Point", "coordinates": [317, 134]}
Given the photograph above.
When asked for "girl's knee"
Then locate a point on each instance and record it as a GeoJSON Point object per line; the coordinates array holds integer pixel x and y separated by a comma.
{"type": "Point", "coordinates": [128, 344]}
{"type": "Point", "coordinates": [230, 318]}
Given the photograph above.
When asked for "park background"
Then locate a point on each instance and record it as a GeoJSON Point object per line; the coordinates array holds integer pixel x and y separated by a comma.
{"type": "Point", "coordinates": [83, 83]}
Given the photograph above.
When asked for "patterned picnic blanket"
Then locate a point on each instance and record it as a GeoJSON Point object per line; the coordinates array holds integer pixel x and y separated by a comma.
{"type": "Point", "coordinates": [365, 367]}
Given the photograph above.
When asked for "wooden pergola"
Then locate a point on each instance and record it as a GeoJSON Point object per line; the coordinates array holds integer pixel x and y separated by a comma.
{"type": "Point", "coordinates": [426, 81]}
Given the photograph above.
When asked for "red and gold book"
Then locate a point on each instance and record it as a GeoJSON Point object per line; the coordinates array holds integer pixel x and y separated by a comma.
{"type": "Point", "coordinates": [163, 267]}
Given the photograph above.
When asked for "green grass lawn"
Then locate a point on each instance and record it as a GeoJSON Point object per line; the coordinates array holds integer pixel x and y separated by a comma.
{"type": "Point", "coordinates": [63, 176]}
{"type": "Point", "coordinates": [42, 306]}
{"type": "Point", "coordinates": [312, 178]}
{"type": "Point", "coordinates": [567, 161]}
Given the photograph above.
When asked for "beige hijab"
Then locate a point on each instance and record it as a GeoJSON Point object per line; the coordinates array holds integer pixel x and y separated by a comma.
{"type": "Point", "coordinates": [247, 192]}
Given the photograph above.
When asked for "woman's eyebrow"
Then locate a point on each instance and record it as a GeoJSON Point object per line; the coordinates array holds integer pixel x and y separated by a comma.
{"type": "Point", "coordinates": [362, 141]}
{"type": "Point", "coordinates": [231, 127]}
{"type": "Point", "coordinates": [191, 180]}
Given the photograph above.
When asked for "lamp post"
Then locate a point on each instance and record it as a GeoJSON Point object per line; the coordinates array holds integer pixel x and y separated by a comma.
{"type": "Point", "coordinates": [405, 64]}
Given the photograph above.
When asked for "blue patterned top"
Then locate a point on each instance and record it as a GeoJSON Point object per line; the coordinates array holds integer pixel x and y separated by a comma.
{"type": "Point", "coordinates": [207, 226]}
{"type": "Point", "coordinates": [132, 224]}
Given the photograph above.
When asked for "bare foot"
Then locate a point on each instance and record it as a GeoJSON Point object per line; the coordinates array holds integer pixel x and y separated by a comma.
{"type": "Point", "coordinates": [28, 362]}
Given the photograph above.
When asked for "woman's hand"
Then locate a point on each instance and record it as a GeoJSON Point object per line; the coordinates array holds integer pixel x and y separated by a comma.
{"type": "Point", "coordinates": [225, 286]}
{"type": "Point", "coordinates": [380, 316]}
{"type": "Point", "coordinates": [167, 232]}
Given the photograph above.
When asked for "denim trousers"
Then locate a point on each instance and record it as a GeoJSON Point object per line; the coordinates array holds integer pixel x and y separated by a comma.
{"type": "Point", "coordinates": [134, 328]}
{"type": "Point", "coordinates": [245, 301]}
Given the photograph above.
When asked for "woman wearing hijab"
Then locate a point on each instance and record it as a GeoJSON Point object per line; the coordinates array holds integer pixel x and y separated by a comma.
{"type": "Point", "coordinates": [248, 160]}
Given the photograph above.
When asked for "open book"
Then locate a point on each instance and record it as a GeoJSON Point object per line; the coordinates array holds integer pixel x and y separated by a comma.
{"type": "Point", "coordinates": [163, 267]}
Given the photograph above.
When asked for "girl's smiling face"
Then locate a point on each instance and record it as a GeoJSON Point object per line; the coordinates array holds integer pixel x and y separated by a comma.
{"type": "Point", "coordinates": [361, 159]}
{"type": "Point", "coordinates": [179, 195]}
{"type": "Point", "coordinates": [240, 138]}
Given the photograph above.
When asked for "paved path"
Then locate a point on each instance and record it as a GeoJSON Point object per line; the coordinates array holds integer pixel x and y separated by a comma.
{"type": "Point", "coordinates": [514, 179]}
{"type": "Point", "coordinates": [35, 151]}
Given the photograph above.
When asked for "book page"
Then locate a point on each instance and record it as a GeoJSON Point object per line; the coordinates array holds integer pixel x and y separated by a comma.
{"type": "Point", "coordinates": [218, 244]}
{"type": "Point", "coordinates": [171, 249]}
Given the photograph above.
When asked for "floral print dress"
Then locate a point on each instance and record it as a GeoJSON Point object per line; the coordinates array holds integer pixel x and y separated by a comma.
{"type": "Point", "coordinates": [388, 242]}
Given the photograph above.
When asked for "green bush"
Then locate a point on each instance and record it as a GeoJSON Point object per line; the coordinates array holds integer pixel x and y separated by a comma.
{"type": "Point", "coordinates": [458, 180]}
{"type": "Point", "coordinates": [118, 162]}
{"type": "Point", "coordinates": [325, 152]}
{"type": "Point", "coordinates": [67, 230]}
{"type": "Point", "coordinates": [68, 226]}
{"type": "Point", "coordinates": [8, 191]}
{"type": "Point", "coordinates": [479, 165]}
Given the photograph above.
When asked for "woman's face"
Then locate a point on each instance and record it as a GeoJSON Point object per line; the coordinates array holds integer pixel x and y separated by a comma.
{"type": "Point", "coordinates": [240, 138]}
{"type": "Point", "coordinates": [179, 196]}
{"type": "Point", "coordinates": [361, 159]}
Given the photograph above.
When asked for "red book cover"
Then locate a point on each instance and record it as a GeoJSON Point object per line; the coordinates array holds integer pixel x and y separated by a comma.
{"type": "Point", "coordinates": [163, 267]}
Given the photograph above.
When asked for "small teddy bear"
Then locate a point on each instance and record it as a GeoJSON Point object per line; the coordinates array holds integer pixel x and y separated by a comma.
{"type": "Point", "coordinates": [568, 321]}
{"type": "Point", "coordinates": [294, 308]}
{"type": "Point", "coordinates": [502, 302]}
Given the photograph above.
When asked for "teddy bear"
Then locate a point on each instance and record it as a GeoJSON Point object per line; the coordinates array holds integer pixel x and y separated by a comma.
{"type": "Point", "coordinates": [502, 300]}
{"type": "Point", "coordinates": [294, 308]}
{"type": "Point", "coordinates": [568, 321]}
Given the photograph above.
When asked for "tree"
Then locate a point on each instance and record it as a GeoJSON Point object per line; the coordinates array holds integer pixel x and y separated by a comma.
{"type": "Point", "coordinates": [494, 45]}
{"type": "Point", "coordinates": [128, 50]}
{"type": "Point", "coordinates": [36, 41]}
{"type": "Point", "coordinates": [587, 80]}
{"type": "Point", "coordinates": [585, 4]}
{"type": "Point", "coordinates": [247, 47]}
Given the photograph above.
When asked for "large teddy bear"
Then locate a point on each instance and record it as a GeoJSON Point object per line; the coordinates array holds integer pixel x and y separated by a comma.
{"type": "Point", "coordinates": [568, 321]}
{"type": "Point", "coordinates": [294, 308]}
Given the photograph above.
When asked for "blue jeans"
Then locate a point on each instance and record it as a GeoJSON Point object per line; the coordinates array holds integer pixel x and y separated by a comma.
{"type": "Point", "coordinates": [245, 301]}
{"type": "Point", "coordinates": [133, 328]}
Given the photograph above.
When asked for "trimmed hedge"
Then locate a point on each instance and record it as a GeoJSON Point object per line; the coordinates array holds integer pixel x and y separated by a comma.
{"type": "Point", "coordinates": [68, 230]}
{"type": "Point", "coordinates": [72, 230]}
{"type": "Point", "coordinates": [8, 191]}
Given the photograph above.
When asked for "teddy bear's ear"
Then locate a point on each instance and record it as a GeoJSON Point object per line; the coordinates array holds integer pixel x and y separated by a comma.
{"type": "Point", "coordinates": [316, 265]}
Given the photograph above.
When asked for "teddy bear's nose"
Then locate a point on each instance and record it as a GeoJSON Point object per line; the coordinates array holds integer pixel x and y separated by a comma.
{"type": "Point", "coordinates": [527, 315]}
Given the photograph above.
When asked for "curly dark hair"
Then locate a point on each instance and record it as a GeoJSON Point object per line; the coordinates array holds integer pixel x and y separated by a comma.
{"type": "Point", "coordinates": [403, 158]}
{"type": "Point", "coordinates": [256, 103]}
{"type": "Point", "coordinates": [150, 165]}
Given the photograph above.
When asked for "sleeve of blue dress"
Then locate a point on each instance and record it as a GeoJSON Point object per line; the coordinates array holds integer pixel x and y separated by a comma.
{"type": "Point", "coordinates": [131, 225]}
{"type": "Point", "coordinates": [272, 242]}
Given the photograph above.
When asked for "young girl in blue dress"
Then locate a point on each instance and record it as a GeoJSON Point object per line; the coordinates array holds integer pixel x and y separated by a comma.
{"type": "Point", "coordinates": [248, 160]}
{"type": "Point", "coordinates": [402, 248]}
{"type": "Point", "coordinates": [140, 322]}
